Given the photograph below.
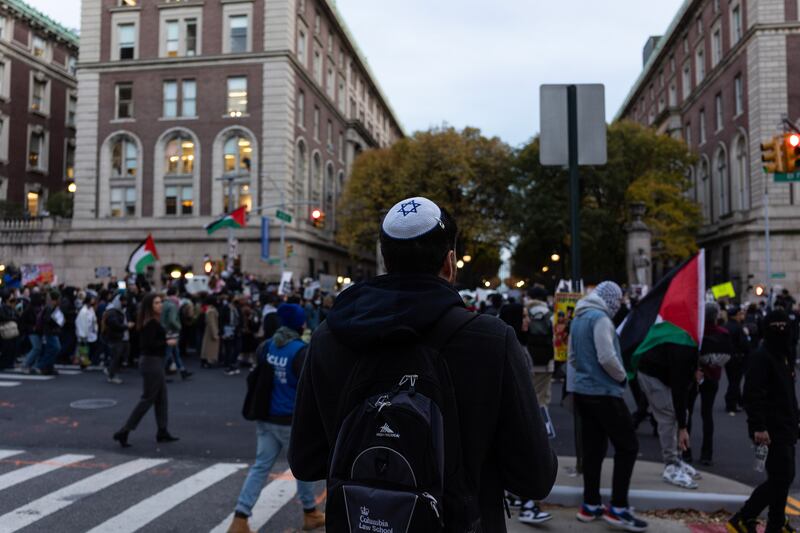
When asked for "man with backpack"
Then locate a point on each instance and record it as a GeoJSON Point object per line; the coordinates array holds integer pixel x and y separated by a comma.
{"type": "Point", "coordinates": [429, 409]}
{"type": "Point", "coordinates": [282, 358]}
{"type": "Point", "coordinates": [540, 344]}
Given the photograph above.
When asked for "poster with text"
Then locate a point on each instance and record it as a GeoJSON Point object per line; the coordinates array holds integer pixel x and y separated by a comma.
{"type": "Point", "coordinates": [563, 312]}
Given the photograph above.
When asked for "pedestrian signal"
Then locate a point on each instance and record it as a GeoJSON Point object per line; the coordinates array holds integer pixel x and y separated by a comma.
{"type": "Point", "coordinates": [792, 151]}
{"type": "Point", "coordinates": [289, 250]}
{"type": "Point", "coordinates": [772, 155]}
{"type": "Point", "coordinates": [318, 218]}
{"type": "Point", "coordinates": [760, 290]}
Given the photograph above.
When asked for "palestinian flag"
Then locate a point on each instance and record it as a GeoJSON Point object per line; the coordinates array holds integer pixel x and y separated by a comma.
{"type": "Point", "coordinates": [143, 255]}
{"type": "Point", "coordinates": [673, 311]}
{"type": "Point", "coordinates": [235, 219]}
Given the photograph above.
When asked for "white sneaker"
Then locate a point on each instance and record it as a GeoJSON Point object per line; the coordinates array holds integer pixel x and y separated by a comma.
{"type": "Point", "coordinates": [690, 471]}
{"type": "Point", "coordinates": [675, 475]}
{"type": "Point", "coordinates": [531, 514]}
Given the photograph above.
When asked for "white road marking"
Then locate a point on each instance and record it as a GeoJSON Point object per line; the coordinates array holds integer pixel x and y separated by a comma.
{"type": "Point", "coordinates": [273, 497]}
{"type": "Point", "coordinates": [149, 509]}
{"type": "Point", "coordinates": [10, 383]}
{"type": "Point", "coordinates": [9, 453]}
{"type": "Point", "coordinates": [21, 475]}
{"type": "Point", "coordinates": [25, 377]}
{"type": "Point", "coordinates": [55, 501]}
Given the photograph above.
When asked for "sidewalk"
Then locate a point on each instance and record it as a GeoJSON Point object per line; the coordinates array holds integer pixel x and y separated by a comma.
{"type": "Point", "coordinates": [650, 492]}
{"type": "Point", "coordinates": [564, 520]}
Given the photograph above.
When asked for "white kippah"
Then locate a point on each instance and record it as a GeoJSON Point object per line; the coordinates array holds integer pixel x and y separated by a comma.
{"type": "Point", "coordinates": [411, 218]}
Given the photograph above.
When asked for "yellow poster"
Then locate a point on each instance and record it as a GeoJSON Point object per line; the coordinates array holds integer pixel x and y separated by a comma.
{"type": "Point", "coordinates": [564, 311]}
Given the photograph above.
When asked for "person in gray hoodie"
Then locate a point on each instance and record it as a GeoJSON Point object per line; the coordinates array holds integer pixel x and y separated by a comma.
{"type": "Point", "coordinates": [597, 378]}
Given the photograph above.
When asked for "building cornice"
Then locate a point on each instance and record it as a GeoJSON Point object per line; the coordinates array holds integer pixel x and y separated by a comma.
{"type": "Point", "coordinates": [39, 19]}
{"type": "Point", "coordinates": [9, 50]}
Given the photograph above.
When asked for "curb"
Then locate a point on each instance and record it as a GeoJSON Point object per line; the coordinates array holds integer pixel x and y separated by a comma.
{"type": "Point", "coordinates": [653, 500]}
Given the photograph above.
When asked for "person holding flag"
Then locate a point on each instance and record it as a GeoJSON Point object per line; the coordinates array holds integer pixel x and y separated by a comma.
{"type": "Point", "coordinates": [145, 254]}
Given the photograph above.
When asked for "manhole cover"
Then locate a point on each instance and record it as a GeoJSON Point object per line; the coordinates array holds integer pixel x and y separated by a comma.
{"type": "Point", "coordinates": [93, 404]}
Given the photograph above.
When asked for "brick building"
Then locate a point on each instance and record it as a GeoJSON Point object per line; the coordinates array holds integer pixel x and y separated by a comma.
{"type": "Point", "coordinates": [188, 109]}
{"type": "Point", "coordinates": [38, 100]}
{"type": "Point", "coordinates": [721, 78]}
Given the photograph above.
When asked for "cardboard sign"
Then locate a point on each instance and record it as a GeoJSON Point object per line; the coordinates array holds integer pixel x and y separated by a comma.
{"type": "Point", "coordinates": [723, 290]}
{"type": "Point", "coordinates": [286, 283]}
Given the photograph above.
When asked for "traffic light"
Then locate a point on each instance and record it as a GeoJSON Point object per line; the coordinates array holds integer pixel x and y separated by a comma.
{"type": "Point", "coordinates": [791, 143]}
{"type": "Point", "coordinates": [208, 266]}
{"type": "Point", "coordinates": [772, 155]}
{"type": "Point", "coordinates": [760, 290]}
{"type": "Point", "coordinates": [318, 218]}
{"type": "Point", "coordinates": [289, 249]}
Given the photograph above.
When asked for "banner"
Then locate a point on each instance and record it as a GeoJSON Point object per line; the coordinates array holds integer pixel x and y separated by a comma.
{"type": "Point", "coordinates": [37, 274]}
{"type": "Point", "coordinates": [563, 312]}
{"type": "Point", "coordinates": [723, 290]}
{"type": "Point", "coordinates": [286, 283]}
{"type": "Point", "coordinates": [327, 283]}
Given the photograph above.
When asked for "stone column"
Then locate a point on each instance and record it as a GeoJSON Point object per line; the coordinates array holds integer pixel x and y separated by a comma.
{"type": "Point", "coordinates": [638, 253]}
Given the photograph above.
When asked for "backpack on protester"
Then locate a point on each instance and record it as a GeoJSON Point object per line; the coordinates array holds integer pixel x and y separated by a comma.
{"type": "Point", "coordinates": [540, 338]}
{"type": "Point", "coordinates": [397, 463]}
{"type": "Point", "coordinates": [259, 387]}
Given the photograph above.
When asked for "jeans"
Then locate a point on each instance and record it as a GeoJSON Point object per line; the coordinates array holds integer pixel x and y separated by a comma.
{"type": "Point", "coordinates": [119, 351]}
{"type": "Point", "coordinates": [659, 396]}
{"type": "Point", "coordinates": [708, 392]}
{"type": "Point", "coordinates": [270, 439]}
{"type": "Point", "coordinates": [50, 349]}
{"type": "Point", "coordinates": [173, 353]}
{"type": "Point", "coordinates": [36, 350]}
{"type": "Point", "coordinates": [604, 418]}
{"type": "Point", "coordinates": [773, 492]}
{"type": "Point", "coordinates": [230, 352]}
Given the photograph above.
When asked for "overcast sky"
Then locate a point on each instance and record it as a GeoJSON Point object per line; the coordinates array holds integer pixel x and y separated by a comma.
{"type": "Point", "coordinates": [478, 63]}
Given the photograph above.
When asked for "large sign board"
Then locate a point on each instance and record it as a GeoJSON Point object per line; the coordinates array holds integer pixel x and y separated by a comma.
{"type": "Point", "coordinates": [554, 125]}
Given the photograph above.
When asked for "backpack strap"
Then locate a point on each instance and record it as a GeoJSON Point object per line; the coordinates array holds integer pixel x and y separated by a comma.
{"type": "Point", "coordinates": [451, 322]}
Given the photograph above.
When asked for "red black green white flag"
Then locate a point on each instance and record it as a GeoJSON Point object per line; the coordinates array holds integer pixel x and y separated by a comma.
{"type": "Point", "coordinates": [143, 255]}
{"type": "Point", "coordinates": [673, 311]}
{"type": "Point", "coordinates": [234, 219]}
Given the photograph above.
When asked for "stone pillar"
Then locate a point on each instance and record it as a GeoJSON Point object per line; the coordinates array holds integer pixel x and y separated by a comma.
{"type": "Point", "coordinates": [639, 253]}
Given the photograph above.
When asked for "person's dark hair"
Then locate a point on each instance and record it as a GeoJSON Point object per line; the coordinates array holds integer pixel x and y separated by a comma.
{"type": "Point", "coordinates": [210, 300]}
{"type": "Point", "coordinates": [496, 299]}
{"type": "Point", "coordinates": [424, 254]}
{"type": "Point", "coordinates": [172, 291]}
{"type": "Point", "coordinates": [54, 295]}
{"type": "Point", "coordinates": [37, 299]}
{"type": "Point", "coordinates": [146, 312]}
{"type": "Point", "coordinates": [512, 314]}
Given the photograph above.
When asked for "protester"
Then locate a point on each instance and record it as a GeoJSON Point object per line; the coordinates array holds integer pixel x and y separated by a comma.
{"type": "Point", "coordinates": [772, 419]}
{"type": "Point", "coordinates": [86, 331]}
{"type": "Point", "coordinates": [209, 353]}
{"type": "Point", "coordinates": [50, 321]}
{"type": "Point", "coordinates": [734, 369]}
{"type": "Point", "coordinates": [116, 334]}
{"type": "Point", "coordinates": [151, 364]}
{"type": "Point", "coordinates": [32, 329]}
{"type": "Point", "coordinates": [9, 329]}
{"type": "Point", "coordinates": [377, 327]}
{"type": "Point", "coordinates": [269, 320]}
{"type": "Point", "coordinates": [171, 322]}
{"type": "Point", "coordinates": [597, 378]}
{"type": "Point", "coordinates": [230, 321]}
{"type": "Point", "coordinates": [285, 352]}
{"type": "Point", "coordinates": [540, 344]}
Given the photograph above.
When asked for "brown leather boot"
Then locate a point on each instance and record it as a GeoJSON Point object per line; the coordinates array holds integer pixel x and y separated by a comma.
{"type": "Point", "coordinates": [313, 520]}
{"type": "Point", "coordinates": [239, 525]}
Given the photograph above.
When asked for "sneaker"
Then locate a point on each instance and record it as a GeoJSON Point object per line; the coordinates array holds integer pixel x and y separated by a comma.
{"type": "Point", "coordinates": [115, 380]}
{"type": "Point", "coordinates": [313, 520]}
{"type": "Point", "coordinates": [737, 524]}
{"type": "Point", "coordinates": [690, 471]}
{"type": "Point", "coordinates": [624, 519]}
{"type": "Point", "coordinates": [531, 514]}
{"type": "Point", "coordinates": [232, 371]}
{"type": "Point", "coordinates": [589, 514]}
{"type": "Point", "coordinates": [675, 475]}
{"type": "Point", "coordinates": [513, 501]}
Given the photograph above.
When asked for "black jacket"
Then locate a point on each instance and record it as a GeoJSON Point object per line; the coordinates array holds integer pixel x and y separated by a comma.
{"type": "Point", "coordinates": [153, 339]}
{"type": "Point", "coordinates": [504, 441]}
{"type": "Point", "coordinates": [674, 365]}
{"type": "Point", "coordinates": [769, 397]}
{"type": "Point", "coordinates": [114, 325]}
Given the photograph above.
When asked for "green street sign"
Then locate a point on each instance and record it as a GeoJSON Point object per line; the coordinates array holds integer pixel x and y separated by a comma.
{"type": "Point", "coordinates": [779, 275]}
{"type": "Point", "coordinates": [273, 261]}
{"type": "Point", "coordinates": [787, 177]}
{"type": "Point", "coordinates": [282, 215]}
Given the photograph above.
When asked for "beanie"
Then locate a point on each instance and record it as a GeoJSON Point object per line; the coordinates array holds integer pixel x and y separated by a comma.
{"type": "Point", "coordinates": [292, 316]}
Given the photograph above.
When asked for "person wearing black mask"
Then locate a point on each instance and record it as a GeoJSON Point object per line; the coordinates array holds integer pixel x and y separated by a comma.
{"type": "Point", "coordinates": [772, 419]}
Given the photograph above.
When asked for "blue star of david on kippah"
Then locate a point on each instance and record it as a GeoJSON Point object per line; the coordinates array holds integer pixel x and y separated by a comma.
{"type": "Point", "coordinates": [408, 207]}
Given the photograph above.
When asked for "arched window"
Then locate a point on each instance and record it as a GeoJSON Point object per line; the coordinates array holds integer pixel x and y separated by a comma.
{"type": "Point", "coordinates": [705, 190]}
{"type": "Point", "coordinates": [316, 180]}
{"type": "Point", "coordinates": [122, 181]}
{"type": "Point", "coordinates": [179, 156]}
{"type": "Point", "coordinates": [742, 173]}
{"type": "Point", "coordinates": [300, 173]}
{"type": "Point", "coordinates": [339, 192]}
{"type": "Point", "coordinates": [237, 161]}
{"type": "Point", "coordinates": [330, 191]}
{"type": "Point", "coordinates": [723, 181]}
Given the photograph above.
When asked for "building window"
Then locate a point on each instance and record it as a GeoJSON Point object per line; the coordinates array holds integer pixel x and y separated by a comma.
{"type": "Point", "coordinates": [705, 188]}
{"type": "Point", "coordinates": [39, 94]}
{"type": "Point", "coordinates": [179, 156]}
{"type": "Point", "coordinates": [672, 64]}
{"type": "Point", "coordinates": [317, 22]}
{"type": "Point", "coordinates": [341, 146]}
{"type": "Point", "coordinates": [173, 38]}
{"type": "Point", "coordinates": [301, 46]}
{"type": "Point", "coordinates": [69, 160]}
{"type": "Point", "coordinates": [673, 95]}
{"type": "Point", "coordinates": [686, 80]}
{"type": "Point", "coordinates": [72, 108]}
{"type": "Point", "coordinates": [126, 39]}
{"type": "Point", "coordinates": [170, 99]}
{"type": "Point", "coordinates": [738, 92]}
{"type": "Point", "coordinates": [37, 150]}
{"type": "Point", "coordinates": [718, 111]}
{"type": "Point", "coordinates": [329, 133]}
{"type": "Point", "coordinates": [699, 25]}
{"type": "Point", "coordinates": [4, 127]}
{"type": "Point", "coordinates": [238, 30]}
{"type": "Point", "coordinates": [4, 85]}
{"type": "Point", "coordinates": [316, 179]}
{"type": "Point", "coordinates": [238, 154]}
{"type": "Point", "coordinates": [736, 24]}
{"type": "Point", "coordinates": [127, 3]}
{"type": "Point", "coordinates": [124, 158]}
{"type": "Point", "coordinates": [330, 83]}
{"type": "Point", "coordinates": [329, 192]}
{"type": "Point", "coordinates": [180, 38]}
{"type": "Point", "coordinates": [743, 174]}
{"type": "Point", "coordinates": [178, 200]}
{"type": "Point", "coordinates": [300, 172]}
{"type": "Point", "coordinates": [72, 65]}
{"type": "Point", "coordinates": [700, 65]}
{"type": "Point", "coordinates": [301, 109]}
{"type": "Point", "coordinates": [3, 28]}
{"type": "Point", "coordinates": [685, 44]}
{"type": "Point", "coordinates": [178, 164]}
{"type": "Point", "coordinates": [688, 134]}
{"type": "Point", "coordinates": [716, 47]}
{"type": "Point", "coordinates": [124, 98]}
{"type": "Point", "coordinates": [316, 123]}
{"type": "Point", "coordinates": [702, 119]}
{"type": "Point", "coordinates": [317, 66]}
{"type": "Point", "coordinates": [38, 46]}
{"type": "Point", "coordinates": [32, 203]}
{"type": "Point", "coordinates": [342, 95]}
{"type": "Point", "coordinates": [189, 98]}
{"type": "Point", "coordinates": [330, 42]}
{"type": "Point", "coordinates": [723, 181]}
{"type": "Point", "coordinates": [237, 96]}
{"type": "Point", "coordinates": [123, 201]}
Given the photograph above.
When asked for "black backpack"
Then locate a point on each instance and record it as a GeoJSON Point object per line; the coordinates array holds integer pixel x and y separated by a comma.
{"type": "Point", "coordinates": [540, 338]}
{"type": "Point", "coordinates": [397, 462]}
{"type": "Point", "coordinates": [259, 387]}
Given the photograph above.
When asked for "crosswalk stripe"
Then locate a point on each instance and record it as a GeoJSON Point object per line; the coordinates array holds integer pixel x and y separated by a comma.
{"type": "Point", "coordinates": [273, 497]}
{"type": "Point", "coordinates": [9, 453]}
{"type": "Point", "coordinates": [29, 472]}
{"type": "Point", "coordinates": [55, 501]}
{"type": "Point", "coordinates": [151, 508]}
{"type": "Point", "coordinates": [10, 383]}
{"type": "Point", "coordinates": [25, 377]}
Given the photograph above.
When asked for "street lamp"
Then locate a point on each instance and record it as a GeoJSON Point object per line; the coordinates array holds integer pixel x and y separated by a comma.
{"type": "Point", "coordinates": [175, 274]}
{"type": "Point", "coordinates": [346, 281]}
{"type": "Point", "coordinates": [467, 258]}
{"type": "Point", "coordinates": [72, 187]}
{"type": "Point", "coordinates": [545, 269]}
{"type": "Point", "coordinates": [520, 284]}
{"type": "Point", "coordinates": [189, 275]}
{"type": "Point", "coordinates": [487, 284]}
{"type": "Point", "coordinates": [460, 264]}
{"type": "Point", "coordinates": [2, 268]}
{"type": "Point", "coordinates": [555, 258]}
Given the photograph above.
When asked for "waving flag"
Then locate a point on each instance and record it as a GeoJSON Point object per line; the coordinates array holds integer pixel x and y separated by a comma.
{"type": "Point", "coordinates": [143, 255]}
{"type": "Point", "coordinates": [234, 219]}
{"type": "Point", "coordinates": [672, 312]}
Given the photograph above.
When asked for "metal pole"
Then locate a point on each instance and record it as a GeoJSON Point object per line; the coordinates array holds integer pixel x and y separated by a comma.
{"type": "Point", "coordinates": [574, 185]}
{"type": "Point", "coordinates": [230, 230]}
{"type": "Point", "coordinates": [283, 235]}
{"type": "Point", "coordinates": [766, 238]}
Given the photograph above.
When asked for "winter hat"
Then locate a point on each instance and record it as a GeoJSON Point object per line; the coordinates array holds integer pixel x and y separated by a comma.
{"type": "Point", "coordinates": [411, 218]}
{"type": "Point", "coordinates": [611, 294]}
{"type": "Point", "coordinates": [538, 293]}
{"type": "Point", "coordinates": [292, 316]}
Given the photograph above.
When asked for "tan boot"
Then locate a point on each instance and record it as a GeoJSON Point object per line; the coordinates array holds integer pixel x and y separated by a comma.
{"type": "Point", "coordinates": [239, 525]}
{"type": "Point", "coordinates": [313, 520]}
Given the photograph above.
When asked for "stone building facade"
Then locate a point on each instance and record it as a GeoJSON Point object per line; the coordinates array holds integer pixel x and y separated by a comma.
{"type": "Point", "coordinates": [189, 109]}
{"type": "Point", "coordinates": [721, 78]}
{"type": "Point", "coordinates": [38, 99]}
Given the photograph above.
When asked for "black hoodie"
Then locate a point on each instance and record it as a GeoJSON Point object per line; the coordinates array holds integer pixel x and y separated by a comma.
{"type": "Point", "coordinates": [504, 441]}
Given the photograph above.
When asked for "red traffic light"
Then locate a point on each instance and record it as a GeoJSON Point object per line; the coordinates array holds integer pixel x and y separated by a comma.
{"type": "Point", "coordinates": [794, 139]}
{"type": "Point", "coordinates": [316, 214]}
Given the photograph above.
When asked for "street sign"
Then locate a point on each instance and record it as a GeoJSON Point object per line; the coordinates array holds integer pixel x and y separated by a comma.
{"type": "Point", "coordinates": [282, 215]}
{"type": "Point", "coordinates": [265, 238]}
{"type": "Point", "coordinates": [778, 275]}
{"type": "Point", "coordinates": [274, 261]}
{"type": "Point", "coordinates": [102, 272]}
{"type": "Point", "coordinates": [787, 177]}
{"type": "Point", "coordinates": [554, 122]}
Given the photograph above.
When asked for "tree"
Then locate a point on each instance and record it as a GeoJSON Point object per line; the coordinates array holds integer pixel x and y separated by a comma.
{"type": "Point", "coordinates": [59, 204]}
{"type": "Point", "coordinates": [642, 166]}
{"type": "Point", "coordinates": [462, 171]}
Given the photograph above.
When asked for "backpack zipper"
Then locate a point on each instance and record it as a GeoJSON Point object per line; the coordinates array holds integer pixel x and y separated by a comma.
{"type": "Point", "coordinates": [434, 503]}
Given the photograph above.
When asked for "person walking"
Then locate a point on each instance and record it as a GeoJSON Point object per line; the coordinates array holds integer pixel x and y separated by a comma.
{"type": "Point", "coordinates": [170, 320]}
{"type": "Point", "coordinates": [151, 364]}
{"type": "Point", "coordinates": [116, 334]}
{"type": "Point", "coordinates": [597, 378]}
{"type": "Point", "coordinates": [50, 321]}
{"type": "Point", "coordinates": [31, 328]}
{"type": "Point", "coordinates": [231, 326]}
{"type": "Point", "coordinates": [209, 353]}
{"type": "Point", "coordinates": [285, 352]}
{"type": "Point", "coordinates": [772, 420]}
{"type": "Point", "coordinates": [86, 330]}
{"type": "Point", "coordinates": [540, 344]}
{"type": "Point", "coordinates": [735, 367]}
{"type": "Point", "coordinates": [493, 437]}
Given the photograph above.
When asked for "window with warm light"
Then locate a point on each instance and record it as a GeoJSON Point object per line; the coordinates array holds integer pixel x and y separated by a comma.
{"type": "Point", "coordinates": [32, 203]}
{"type": "Point", "coordinates": [37, 151]}
{"type": "Point", "coordinates": [38, 46]}
{"type": "Point", "coordinates": [39, 95]}
{"type": "Point", "coordinates": [179, 200]}
{"type": "Point", "coordinates": [179, 157]}
{"type": "Point", "coordinates": [124, 158]}
{"type": "Point", "coordinates": [238, 157]}
{"type": "Point", "coordinates": [124, 166]}
{"type": "Point", "coordinates": [237, 96]}
{"type": "Point", "coordinates": [69, 160]}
